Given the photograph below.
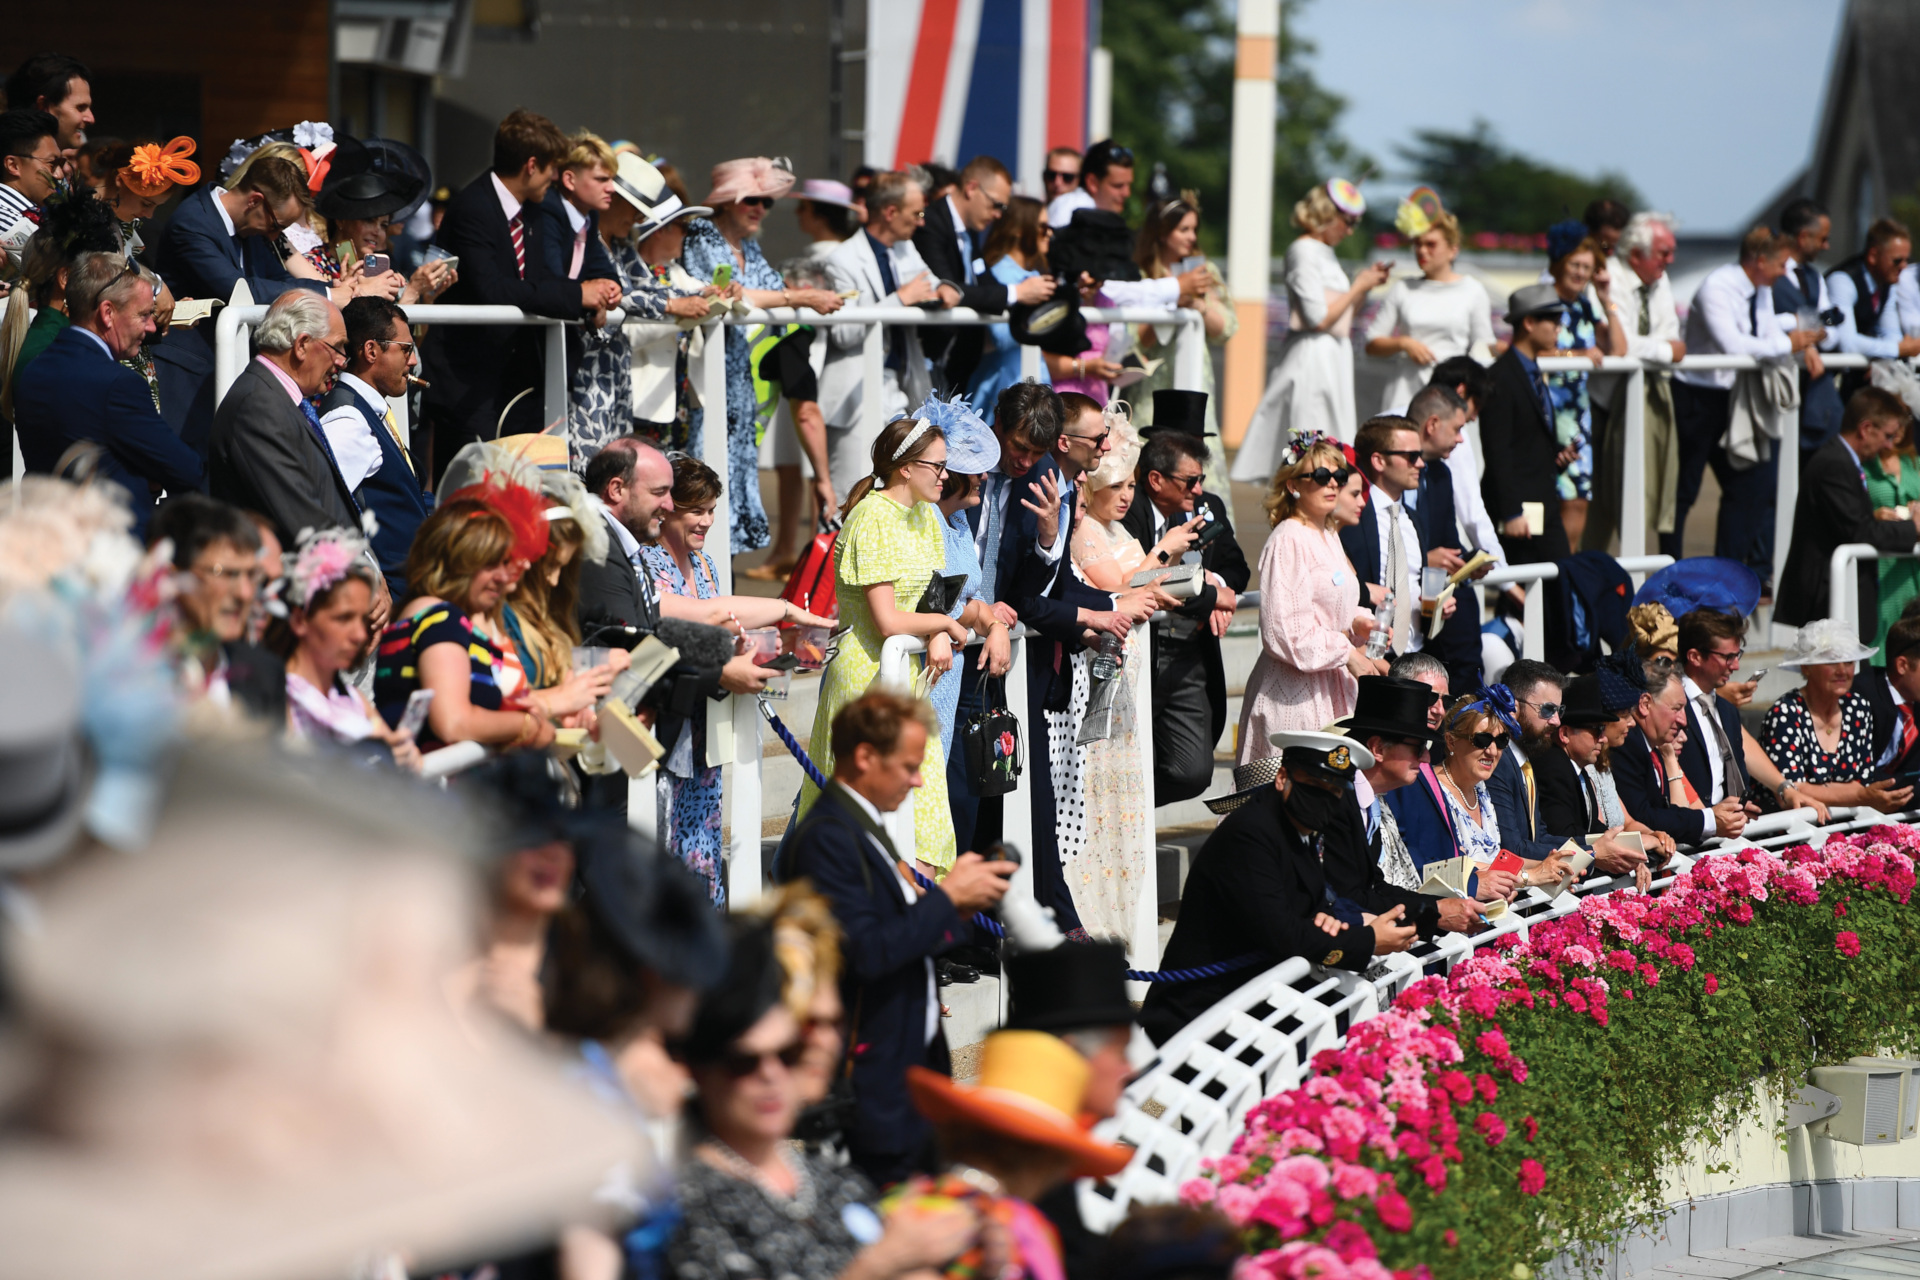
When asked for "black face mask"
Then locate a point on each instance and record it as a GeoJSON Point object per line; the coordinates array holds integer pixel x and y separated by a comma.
{"type": "Point", "coordinates": [1314, 808]}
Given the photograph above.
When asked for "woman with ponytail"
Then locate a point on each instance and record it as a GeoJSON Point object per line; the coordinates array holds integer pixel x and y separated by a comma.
{"type": "Point", "coordinates": [891, 547]}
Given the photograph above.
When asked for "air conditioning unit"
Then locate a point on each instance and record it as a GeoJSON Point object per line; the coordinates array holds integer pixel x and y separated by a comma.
{"type": "Point", "coordinates": [1909, 1093]}
{"type": "Point", "coordinates": [1870, 1100]}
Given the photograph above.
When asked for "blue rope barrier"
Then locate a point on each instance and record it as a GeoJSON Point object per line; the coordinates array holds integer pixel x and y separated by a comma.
{"type": "Point", "coordinates": [982, 921]}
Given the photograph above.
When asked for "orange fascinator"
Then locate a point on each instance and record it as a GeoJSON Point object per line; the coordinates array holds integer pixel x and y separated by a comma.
{"type": "Point", "coordinates": [524, 511]}
{"type": "Point", "coordinates": [154, 170]}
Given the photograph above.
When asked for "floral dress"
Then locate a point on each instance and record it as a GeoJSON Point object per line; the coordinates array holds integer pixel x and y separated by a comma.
{"type": "Point", "coordinates": [1481, 843]}
{"type": "Point", "coordinates": [733, 1229]}
{"type": "Point", "coordinates": [704, 250]}
{"type": "Point", "coordinates": [884, 542]}
{"type": "Point", "coordinates": [1572, 410]}
{"type": "Point", "coordinates": [1791, 743]}
{"type": "Point", "coordinates": [601, 407]}
{"type": "Point", "coordinates": [689, 791]}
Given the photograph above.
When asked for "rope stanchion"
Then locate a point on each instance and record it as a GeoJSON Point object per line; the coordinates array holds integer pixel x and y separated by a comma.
{"type": "Point", "coordinates": [983, 921]}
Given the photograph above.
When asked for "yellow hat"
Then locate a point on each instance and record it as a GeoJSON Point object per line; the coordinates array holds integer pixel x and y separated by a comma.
{"type": "Point", "coordinates": [1030, 1088]}
{"type": "Point", "coordinates": [1418, 213]}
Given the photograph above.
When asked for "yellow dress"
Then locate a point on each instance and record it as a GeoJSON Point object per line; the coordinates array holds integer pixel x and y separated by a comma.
{"type": "Point", "coordinates": [882, 541]}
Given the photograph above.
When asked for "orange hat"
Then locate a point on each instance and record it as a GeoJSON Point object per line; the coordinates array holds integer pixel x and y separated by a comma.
{"type": "Point", "coordinates": [153, 170]}
{"type": "Point", "coordinates": [1030, 1088]}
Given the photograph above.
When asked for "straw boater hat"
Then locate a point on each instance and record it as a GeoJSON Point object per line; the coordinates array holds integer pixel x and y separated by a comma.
{"type": "Point", "coordinates": [1029, 1089]}
{"type": "Point", "coordinates": [258, 1076]}
{"type": "Point", "coordinates": [1333, 755]}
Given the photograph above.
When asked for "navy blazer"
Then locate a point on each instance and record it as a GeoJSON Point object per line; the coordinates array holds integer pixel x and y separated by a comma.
{"type": "Point", "coordinates": [198, 259]}
{"type": "Point", "coordinates": [476, 369]}
{"type": "Point", "coordinates": [1871, 683]}
{"type": "Point", "coordinates": [556, 240]}
{"type": "Point", "coordinates": [75, 391]}
{"type": "Point", "coordinates": [1645, 799]}
{"type": "Point", "coordinates": [392, 493]}
{"type": "Point", "coordinates": [1518, 815]}
{"type": "Point", "coordinates": [1046, 603]}
{"type": "Point", "coordinates": [883, 980]}
{"type": "Point", "coordinates": [1693, 752]}
{"type": "Point", "coordinates": [1519, 443]}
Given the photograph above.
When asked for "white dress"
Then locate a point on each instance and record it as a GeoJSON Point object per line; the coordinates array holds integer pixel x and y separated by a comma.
{"type": "Point", "coordinates": [1450, 319]}
{"type": "Point", "coordinates": [1312, 387]}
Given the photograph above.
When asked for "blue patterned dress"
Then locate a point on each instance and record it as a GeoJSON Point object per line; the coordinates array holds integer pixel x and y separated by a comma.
{"type": "Point", "coordinates": [689, 792]}
{"type": "Point", "coordinates": [601, 407]}
{"type": "Point", "coordinates": [1572, 410]}
{"type": "Point", "coordinates": [704, 250]}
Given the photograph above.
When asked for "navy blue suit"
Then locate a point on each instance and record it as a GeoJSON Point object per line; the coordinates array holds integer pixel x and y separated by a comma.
{"type": "Point", "coordinates": [1519, 816]}
{"type": "Point", "coordinates": [1645, 799]}
{"type": "Point", "coordinates": [75, 391]}
{"type": "Point", "coordinates": [556, 243]}
{"type": "Point", "coordinates": [883, 980]}
{"type": "Point", "coordinates": [1700, 740]}
{"type": "Point", "coordinates": [198, 259]}
{"type": "Point", "coordinates": [392, 493]}
{"type": "Point", "coordinates": [1820, 405]}
{"type": "Point", "coordinates": [1435, 516]}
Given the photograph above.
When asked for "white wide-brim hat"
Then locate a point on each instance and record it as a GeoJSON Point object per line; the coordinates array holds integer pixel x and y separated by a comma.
{"type": "Point", "coordinates": [1824, 641]}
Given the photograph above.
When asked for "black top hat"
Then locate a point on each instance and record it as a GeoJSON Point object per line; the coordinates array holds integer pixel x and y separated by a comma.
{"type": "Point", "coordinates": [1179, 411]}
{"type": "Point", "coordinates": [1054, 325]}
{"type": "Point", "coordinates": [1096, 242]}
{"type": "Point", "coordinates": [396, 158]}
{"type": "Point", "coordinates": [1392, 708]}
{"type": "Point", "coordinates": [1583, 706]}
{"type": "Point", "coordinates": [1076, 986]}
{"type": "Point", "coordinates": [652, 907]}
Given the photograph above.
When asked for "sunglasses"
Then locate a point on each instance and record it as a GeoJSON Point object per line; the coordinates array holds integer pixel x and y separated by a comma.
{"type": "Point", "coordinates": [1547, 710]}
{"type": "Point", "coordinates": [1189, 483]}
{"type": "Point", "coordinates": [1327, 475]}
{"type": "Point", "coordinates": [1411, 455]}
{"type": "Point", "coordinates": [1095, 441]}
{"type": "Point", "coordinates": [737, 1065]}
{"type": "Point", "coordinates": [1481, 741]}
{"type": "Point", "coordinates": [758, 202]}
{"type": "Point", "coordinates": [1060, 176]}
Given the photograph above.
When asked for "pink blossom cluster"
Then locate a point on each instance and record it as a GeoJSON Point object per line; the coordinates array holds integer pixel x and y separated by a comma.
{"type": "Point", "coordinates": [1314, 1176]}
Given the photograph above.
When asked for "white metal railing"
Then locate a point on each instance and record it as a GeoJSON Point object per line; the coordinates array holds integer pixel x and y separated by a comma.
{"type": "Point", "coordinates": [234, 325]}
{"type": "Point", "coordinates": [1191, 1098]}
{"type": "Point", "coordinates": [1530, 576]}
{"type": "Point", "coordinates": [1633, 492]}
{"type": "Point", "coordinates": [1843, 583]}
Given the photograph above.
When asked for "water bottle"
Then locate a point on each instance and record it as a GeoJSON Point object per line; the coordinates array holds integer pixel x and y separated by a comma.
{"type": "Point", "coordinates": [1382, 636]}
{"type": "Point", "coordinates": [1106, 663]}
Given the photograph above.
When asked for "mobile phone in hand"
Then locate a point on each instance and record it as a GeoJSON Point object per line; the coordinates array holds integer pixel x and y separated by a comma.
{"type": "Point", "coordinates": [415, 716]}
{"type": "Point", "coordinates": [722, 274]}
{"type": "Point", "coordinates": [378, 264]}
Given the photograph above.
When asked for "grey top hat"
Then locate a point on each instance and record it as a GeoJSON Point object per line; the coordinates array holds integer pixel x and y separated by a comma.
{"type": "Point", "coordinates": [1533, 300]}
{"type": "Point", "coordinates": [43, 771]}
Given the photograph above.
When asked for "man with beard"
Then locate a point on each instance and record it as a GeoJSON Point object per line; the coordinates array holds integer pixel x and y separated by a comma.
{"type": "Point", "coordinates": [1261, 885]}
{"type": "Point", "coordinates": [1535, 688]}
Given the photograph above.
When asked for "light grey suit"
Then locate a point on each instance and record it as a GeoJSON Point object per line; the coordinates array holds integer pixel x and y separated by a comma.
{"type": "Point", "coordinates": [853, 266]}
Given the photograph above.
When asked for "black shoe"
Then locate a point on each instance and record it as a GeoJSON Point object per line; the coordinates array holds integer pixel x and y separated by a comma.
{"type": "Point", "coordinates": [985, 959]}
{"type": "Point", "coordinates": [948, 973]}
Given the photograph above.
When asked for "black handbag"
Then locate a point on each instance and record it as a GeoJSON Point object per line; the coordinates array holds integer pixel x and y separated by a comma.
{"type": "Point", "coordinates": [990, 741]}
{"type": "Point", "coordinates": [942, 593]}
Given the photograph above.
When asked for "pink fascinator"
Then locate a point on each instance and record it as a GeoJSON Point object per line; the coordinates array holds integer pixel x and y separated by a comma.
{"type": "Point", "coordinates": [752, 176]}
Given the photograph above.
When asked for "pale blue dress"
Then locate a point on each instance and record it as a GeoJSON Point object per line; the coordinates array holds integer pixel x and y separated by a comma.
{"type": "Point", "coordinates": [961, 558]}
{"type": "Point", "coordinates": [999, 366]}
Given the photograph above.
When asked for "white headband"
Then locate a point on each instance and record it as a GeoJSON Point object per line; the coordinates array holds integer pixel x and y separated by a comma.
{"type": "Point", "coordinates": [920, 428]}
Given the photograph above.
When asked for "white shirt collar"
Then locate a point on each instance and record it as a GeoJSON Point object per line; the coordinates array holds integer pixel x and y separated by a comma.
{"type": "Point", "coordinates": [1693, 691]}
{"type": "Point", "coordinates": [576, 219]}
{"type": "Point", "coordinates": [866, 804]}
{"type": "Point", "coordinates": [220, 207]}
{"type": "Point", "coordinates": [509, 203]}
{"type": "Point", "coordinates": [365, 392]}
{"type": "Point", "coordinates": [629, 545]}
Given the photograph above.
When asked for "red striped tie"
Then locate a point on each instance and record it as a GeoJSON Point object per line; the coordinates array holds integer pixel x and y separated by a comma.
{"type": "Point", "coordinates": [1908, 730]}
{"type": "Point", "coordinates": [519, 234]}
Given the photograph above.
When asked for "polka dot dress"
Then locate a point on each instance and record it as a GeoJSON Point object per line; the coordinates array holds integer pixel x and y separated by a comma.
{"type": "Point", "coordinates": [1795, 749]}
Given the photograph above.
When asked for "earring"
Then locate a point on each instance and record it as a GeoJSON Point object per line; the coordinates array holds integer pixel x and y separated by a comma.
{"type": "Point", "coordinates": [1293, 495]}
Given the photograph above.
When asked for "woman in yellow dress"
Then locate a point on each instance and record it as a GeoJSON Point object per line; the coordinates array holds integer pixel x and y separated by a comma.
{"type": "Point", "coordinates": [891, 546]}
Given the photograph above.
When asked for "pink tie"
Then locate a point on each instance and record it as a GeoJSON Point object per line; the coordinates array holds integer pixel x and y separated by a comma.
{"type": "Point", "coordinates": [579, 253]}
{"type": "Point", "coordinates": [516, 230]}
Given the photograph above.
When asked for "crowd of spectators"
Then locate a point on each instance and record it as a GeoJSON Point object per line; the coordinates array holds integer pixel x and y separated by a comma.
{"type": "Point", "coordinates": [532, 609]}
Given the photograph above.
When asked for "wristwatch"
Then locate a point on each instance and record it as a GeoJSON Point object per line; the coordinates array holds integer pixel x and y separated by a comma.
{"type": "Point", "coordinates": [1903, 511]}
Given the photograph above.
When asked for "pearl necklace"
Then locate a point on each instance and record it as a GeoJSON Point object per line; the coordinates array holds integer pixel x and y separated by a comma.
{"type": "Point", "coordinates": [798, 1206]}
{"type": "Point", "coordinates": [1471, 806]}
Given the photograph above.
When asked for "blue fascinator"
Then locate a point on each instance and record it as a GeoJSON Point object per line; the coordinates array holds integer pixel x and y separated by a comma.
{"type": "Point", "coordinates": [1497, 701]}
{"type": "Point", "coordinates": [1564, 237]}
{"type": "Point", "coordinates": [972, 449]}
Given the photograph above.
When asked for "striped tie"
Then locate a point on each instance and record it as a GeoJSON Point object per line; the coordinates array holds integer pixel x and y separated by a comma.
{"type": "Point", "coordinates": [518, 231]}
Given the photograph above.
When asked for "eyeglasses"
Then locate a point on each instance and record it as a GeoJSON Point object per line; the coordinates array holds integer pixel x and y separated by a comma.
{"type": "Point", "coordinates": [1122, 156]}
{"type": "Point", "coordinates": [1481, 741]}
{"type": "Point", "coordinates": [1326, 475]}
{"type": "Point", "coordinates": [231, 577]}
{"type": "Point", "coordinates": [395, 342]}
{"type": "Point", "coordinates": [1724, 656]}
{"type": "Point", "coordinates": [939, 468]}
{"type": "Point", "coordinates": [1546, 710]}
{"type": "Point", "coordinates": [999, 206]}
{"type": "Point", "coordinates": [341, 352]}
{"type": "Point", "coordinates": [1060, 176]}
{"type": "Point", "coordinates": [737, 1065]}
{"type": "Point", "coordinates": [758, 202]}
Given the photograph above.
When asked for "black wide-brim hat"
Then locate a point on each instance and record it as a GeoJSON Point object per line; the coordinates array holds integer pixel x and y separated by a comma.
{"type": "Point", "coordinates": [1178, 411]}
{"type": "Point", "coordinates": [1054, 325]}
{"type": "Point", "coordinates": [1583, 706]}
{"type": "Point", "coordinates": [1392, 708]}
{"type": "Point", "coordinates": [1077, 986]}
{"type": "Point", "coordinates": [654, 909]}
{"type": "Point", "coordinates": [377, 178]}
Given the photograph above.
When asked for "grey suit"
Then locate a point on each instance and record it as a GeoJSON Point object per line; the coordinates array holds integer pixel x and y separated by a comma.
{"type": "Point", "coordinates": [263, 455]}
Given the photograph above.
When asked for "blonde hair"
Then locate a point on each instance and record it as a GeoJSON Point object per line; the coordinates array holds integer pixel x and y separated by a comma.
{"type": "Point", "coordinates": [546, 613]}
{"type": "Point", "coordinates": [1121, 460]}
{"type": "Point", "coordinates": [1281, 504]}
{"type": "Point", "coordinates": [806, 941]}
{"type": "Point", "coordinates": [590, 149]}
{"type": "Point", "coordinates": [1447, 225]}
{"type": "Point", "coordinates": [1315, 210]}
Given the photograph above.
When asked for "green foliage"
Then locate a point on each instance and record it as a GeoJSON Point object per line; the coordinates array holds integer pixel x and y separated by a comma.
{"type": "Point", "coordinates": [1173, 103]}
{"type": "Point", "coordinates": [1492, 188]}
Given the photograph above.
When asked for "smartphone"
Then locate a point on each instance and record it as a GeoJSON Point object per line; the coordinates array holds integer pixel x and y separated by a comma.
{"type": "Point", "coordinates": [378, 264]}
{"type": "Point", "coordinates": [1757, 674]}
{"type": "Point", "coordinates": [1209, 532]}
{"type": "Point", "coordinates": [415, 716]}
{"type": "Point", "coordinates": [722, 275]}
{"type": "Point", "coordinates": [781, 662]}
{"type": "Point", "coordinates": [346, 253]}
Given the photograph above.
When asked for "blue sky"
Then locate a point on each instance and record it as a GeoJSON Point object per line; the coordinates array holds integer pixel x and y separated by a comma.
{"type": "Point", "coordinates": [1707, 105]}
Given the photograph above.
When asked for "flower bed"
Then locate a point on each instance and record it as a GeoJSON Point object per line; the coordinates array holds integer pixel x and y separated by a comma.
{"type": "Point", "coordinates": [1529, 1102]}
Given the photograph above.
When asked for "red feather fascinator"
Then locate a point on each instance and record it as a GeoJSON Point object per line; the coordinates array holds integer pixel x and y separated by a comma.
{"type": "Point", "coordinates": [524, 511]}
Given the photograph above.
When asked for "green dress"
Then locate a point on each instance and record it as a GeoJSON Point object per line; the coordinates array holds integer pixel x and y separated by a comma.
{"type": "Point", "coordinates": [882, 541]}
{"type": "Point", "coordinates": [1899, 579]}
